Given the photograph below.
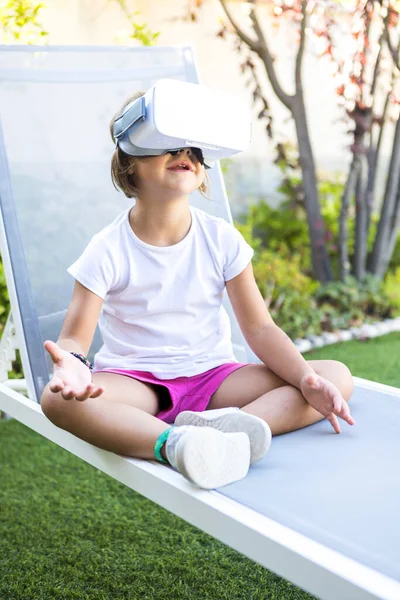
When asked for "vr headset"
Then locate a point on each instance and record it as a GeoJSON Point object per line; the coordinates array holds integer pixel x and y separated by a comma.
{"type": "Point", "coordinates": [173, 115]}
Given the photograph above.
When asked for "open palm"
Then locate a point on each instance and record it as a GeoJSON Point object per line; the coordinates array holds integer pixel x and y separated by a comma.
{"type": "Point", "coordinates": [70, 377]}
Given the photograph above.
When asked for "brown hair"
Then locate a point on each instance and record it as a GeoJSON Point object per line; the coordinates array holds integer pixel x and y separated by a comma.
{"type": "Point", "coordinates": [123, 165]}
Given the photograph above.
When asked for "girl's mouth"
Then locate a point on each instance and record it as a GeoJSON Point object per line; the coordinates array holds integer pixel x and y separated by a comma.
{"type": "Point", "coordinates": [182, 166]}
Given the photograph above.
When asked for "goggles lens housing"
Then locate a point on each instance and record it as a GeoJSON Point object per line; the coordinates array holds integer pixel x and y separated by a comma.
{"type": "Point", "coordinates": [196, 151]}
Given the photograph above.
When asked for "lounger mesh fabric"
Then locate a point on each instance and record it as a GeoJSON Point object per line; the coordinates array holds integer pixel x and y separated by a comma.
{"type": "Point", "coordinates": [340, 490]}
{"type": "Point", "coordinates": [55, 193]}
{"type": "Point", "coordinates": [55, 108]}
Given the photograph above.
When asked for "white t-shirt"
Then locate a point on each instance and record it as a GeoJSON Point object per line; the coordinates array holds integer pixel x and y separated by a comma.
{"type": "Point", "coordinates": [162, 307]}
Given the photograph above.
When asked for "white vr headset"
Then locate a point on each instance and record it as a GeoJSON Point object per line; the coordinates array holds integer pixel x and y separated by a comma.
{"type": "Point", "coordinates": [174, 114]}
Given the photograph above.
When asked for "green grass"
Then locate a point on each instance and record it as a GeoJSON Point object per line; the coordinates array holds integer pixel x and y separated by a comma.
{"type": "Point", "coordinates": [376, 359]}
{"type": "Point", "coordinates": [67, 531]}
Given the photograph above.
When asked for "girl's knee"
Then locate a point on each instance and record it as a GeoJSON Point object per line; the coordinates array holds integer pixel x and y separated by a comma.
{"type": "Point", "coordinates": [343, 379]}
{"type": "Point", "coordinates": [52, 406]}
{"type": "Point", "coordinates": [338, 373]}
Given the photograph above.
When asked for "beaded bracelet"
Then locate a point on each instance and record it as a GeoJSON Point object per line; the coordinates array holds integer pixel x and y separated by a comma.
{"type": "Point", "coordinates": [84, 360]}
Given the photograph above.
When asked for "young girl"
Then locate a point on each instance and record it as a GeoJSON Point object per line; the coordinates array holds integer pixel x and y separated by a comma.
{"type": "Point", "coordinates": [154, 279]}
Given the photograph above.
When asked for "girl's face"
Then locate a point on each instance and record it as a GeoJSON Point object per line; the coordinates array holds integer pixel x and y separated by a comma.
{"type": "Point", "coordinates": [180, 174]}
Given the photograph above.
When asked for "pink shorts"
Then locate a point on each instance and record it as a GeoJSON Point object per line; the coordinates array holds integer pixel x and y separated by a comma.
{"type": "Point", "coordinates": [183, 393]}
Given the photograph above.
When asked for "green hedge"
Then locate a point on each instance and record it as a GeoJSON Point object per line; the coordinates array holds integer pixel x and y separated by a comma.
{"type": "Point", "coordinates": [17, 372]}
{"type": "Point", "coordinates": [282, 268]}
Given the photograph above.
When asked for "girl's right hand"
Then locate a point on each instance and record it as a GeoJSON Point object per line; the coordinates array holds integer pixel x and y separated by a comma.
{"type": "Point", "coordinates": [70, 377]}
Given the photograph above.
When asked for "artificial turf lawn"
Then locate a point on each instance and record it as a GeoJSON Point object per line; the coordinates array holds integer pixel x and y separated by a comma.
{"type": "Point", "coordinates": [68, 531]}
{"type": "Point", "coordinates": [376, 359]}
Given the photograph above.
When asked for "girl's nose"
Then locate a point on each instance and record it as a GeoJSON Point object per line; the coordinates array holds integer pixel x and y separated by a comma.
{"type": "Point", "coordinates": [187, 151]}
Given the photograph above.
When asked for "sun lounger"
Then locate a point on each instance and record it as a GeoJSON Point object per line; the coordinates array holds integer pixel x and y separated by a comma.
{"type": "Point", "coordinates": [320, 510]}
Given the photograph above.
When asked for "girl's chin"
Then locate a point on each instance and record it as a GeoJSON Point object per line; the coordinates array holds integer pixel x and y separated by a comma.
{"type": "Point", "coordinates": [182, 189]}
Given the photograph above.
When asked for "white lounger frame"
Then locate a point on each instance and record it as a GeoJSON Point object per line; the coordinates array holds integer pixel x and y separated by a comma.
{"type": "Point", "coordinates": [312, 566]}
{"type": "Point", "coordinates": [316, 568]}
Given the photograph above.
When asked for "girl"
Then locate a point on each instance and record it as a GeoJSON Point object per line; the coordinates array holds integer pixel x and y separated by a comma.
{"type": "Point", "coordinates": [154, 279]}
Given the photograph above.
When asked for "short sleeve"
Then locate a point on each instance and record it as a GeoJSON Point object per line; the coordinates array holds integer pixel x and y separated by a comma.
{"type": "Point", "coordinates": [237, 252]}
{"type": "Point", "coordinates": [94, 268]}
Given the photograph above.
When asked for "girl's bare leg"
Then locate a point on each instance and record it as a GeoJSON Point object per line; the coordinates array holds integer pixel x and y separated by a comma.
{"type": "Point", "coordinates": [121, 420]}
{"type": "Point", "coordinates": [260, 392]}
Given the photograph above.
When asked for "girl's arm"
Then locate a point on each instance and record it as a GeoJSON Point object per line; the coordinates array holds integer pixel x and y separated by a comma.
{"type": "Point", "coordinates": [278, 352]}
{"type": "Point", "coordinates": [72, 377]}
{"type": "Point", "coordinates": [80, 321]}
{"type": "Point", "coordinates": [265, 338]}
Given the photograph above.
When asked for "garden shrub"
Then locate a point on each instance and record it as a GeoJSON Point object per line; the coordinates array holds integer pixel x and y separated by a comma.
{"type": "Point", "coordinates": [288, 293]}
{"type": "Point", "coordinates": [4, 300]}
{"type": "Point", "coordinates": [282, 269]}
{"type": "Point", "coordinates": [4, 311]}
{"type": "Point", "coordinates": [285, 229]}
{"type": "Point", "coordinates": [391, 288]}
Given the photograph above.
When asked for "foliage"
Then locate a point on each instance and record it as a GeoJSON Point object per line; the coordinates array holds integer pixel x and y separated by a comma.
{"type": "Point", "coordinates": [138, 31]}
{"type": "Point", "coordinates": [4, 311]}
{"type": "Point", "coordinates": [19, 21]}
{"type": "Point", "coordinates": [4, 300]}
{"type": "Point", "coordinates": [391, 287]}
{"type": "Point", "coordinates": [359, 41]}
{"type": "Point", "coordinates": [288, 293]}
{"type": "Point", "coordinates": [299, 304]}
{"type": "Point", "coordinates": [353, 301]}
{"type": "Point", "coordinates": [284, 228]}
{"type": "Point", "coordinates": [143, 34]}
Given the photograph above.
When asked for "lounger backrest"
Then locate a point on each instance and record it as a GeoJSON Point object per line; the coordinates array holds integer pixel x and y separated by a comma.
{"type": "Point", "coordinates": [55, 187]}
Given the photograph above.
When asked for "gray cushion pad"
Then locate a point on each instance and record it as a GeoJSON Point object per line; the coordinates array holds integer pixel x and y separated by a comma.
{"type": "Point", "coordinates": [340, 490]}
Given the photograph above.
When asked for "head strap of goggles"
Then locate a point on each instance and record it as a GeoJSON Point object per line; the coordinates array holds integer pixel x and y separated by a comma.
{"type": "Point", "coordinates": [133, 114]}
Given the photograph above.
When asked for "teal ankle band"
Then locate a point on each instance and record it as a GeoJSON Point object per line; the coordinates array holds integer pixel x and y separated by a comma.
{"type": "Point", "coordinates": [160, 443]}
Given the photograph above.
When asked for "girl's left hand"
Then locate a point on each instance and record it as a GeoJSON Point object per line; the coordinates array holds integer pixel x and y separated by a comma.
{"type": "Point", "coordinates": [325, 397]}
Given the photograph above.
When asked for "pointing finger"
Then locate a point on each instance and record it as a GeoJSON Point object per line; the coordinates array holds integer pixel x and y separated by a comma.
{"type": "Point", "coordinates": [337, 402]}
{"type": "Point", "coordinates": [344, 413]}
{"type": "Point", "coordinates": [333, 420]}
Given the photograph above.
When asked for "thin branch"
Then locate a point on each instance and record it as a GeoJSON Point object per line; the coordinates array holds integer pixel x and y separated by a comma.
{"type": "Point", "coordinates": [360, 242]}
{"type": "Point", "coordinates": [376, 263]}
{"type": "Point", "coordinates": [375, 150]}
{"type": "Point", "coordinates": [393, 234]}
{"type": "Point", "coordinates": [377, 67]}
{"type": "Point", "coordinates": [365, 46]}
{"type": "Point", "coordinates": [395, 52]}
{"type": "Point", "coordinates": [344, 263]}
{"type": "Point", "coordinates": [252, 44]}
{"type": "Point", "coordinates": [266, 56]}
{"type": "Point", "coordinates": [395, 224]}
{"type": "Point", "coordinates": [300, 53]}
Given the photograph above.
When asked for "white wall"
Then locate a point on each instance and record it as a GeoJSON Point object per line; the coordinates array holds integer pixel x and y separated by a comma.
{"type": "Point", "coordinates": [100, 21]}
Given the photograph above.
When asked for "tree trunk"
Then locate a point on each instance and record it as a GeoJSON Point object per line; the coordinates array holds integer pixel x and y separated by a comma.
{"type": "Point", "coordinates": [319, 255]}
{"type": "Point", "coordinates": [378, 262]}
{"type": "Point", "coordinates": [360, 242]}
{"type": "Point", "coordinates": [394, 232]}
{"type": "Point", "coordinates": [375, 148]}
{"type": "Point", "coordinates": [344, 263]}
{"type": "Point", "coordinates": [295, 104]}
